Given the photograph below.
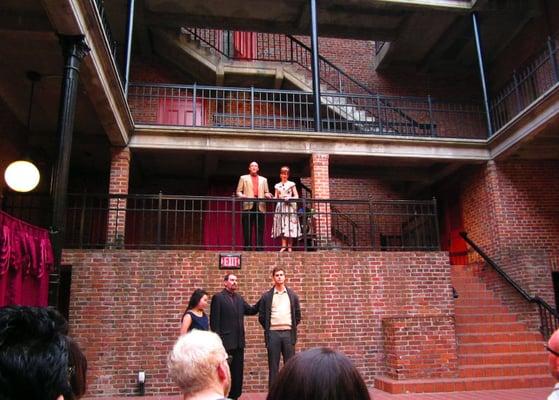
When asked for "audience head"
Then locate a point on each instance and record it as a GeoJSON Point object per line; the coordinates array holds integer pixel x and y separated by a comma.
{"type": "Point", "coordinates": [37, 359]}
{"type": "Point", "coordinates": [553, 349]}
{"type": "Point", "coordinates": [198, 362]}
{"type": "Point", "coordinates": [319, 374]}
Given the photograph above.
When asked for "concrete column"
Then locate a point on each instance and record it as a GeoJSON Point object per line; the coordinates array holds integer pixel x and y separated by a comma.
{"type": "Point", "coordinates": [320, 185]}
{"type": "Point", "coordinates": [118, 185]}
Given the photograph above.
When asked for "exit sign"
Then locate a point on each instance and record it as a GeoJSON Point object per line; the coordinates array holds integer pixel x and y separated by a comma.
{"type": "Point", "coordinates": [230, 261]}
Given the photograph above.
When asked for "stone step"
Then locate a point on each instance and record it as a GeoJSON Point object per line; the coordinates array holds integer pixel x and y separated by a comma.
{"type": "Point", "coordinates": [462, 384]}
{"type": "Point", "coordinates": [504, 359]}
{"type": "Point", "coordinates": [492, 348]}
{"type": "Point", "coordinates": [494, 370]}
{"type": "Point", "coordinates": [465, 301]}
{"type": "Point", "coordinates": [461, 309]}
{"type": "Point", "coordinates": [477, 318]}
{"type": "Point", "coordinates": [493, 337]}
{"type": "Point", "coordinates": [492, 327]}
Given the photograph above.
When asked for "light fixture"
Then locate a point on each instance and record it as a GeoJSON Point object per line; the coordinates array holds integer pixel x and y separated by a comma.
{"type": "Point", "coordinates": [23, 175]}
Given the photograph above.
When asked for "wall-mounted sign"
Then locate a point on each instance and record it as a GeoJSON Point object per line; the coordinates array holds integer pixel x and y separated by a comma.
{"type": "Point", "coordinates": [230, 261]}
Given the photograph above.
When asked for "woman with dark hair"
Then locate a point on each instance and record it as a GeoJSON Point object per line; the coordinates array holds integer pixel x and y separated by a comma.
{"type": "Point", "coordinates": [319, 374]}
{"type": "Point", "coordinates": [195, 317]}
{"type": "Point", "coordinates": [77, 368]}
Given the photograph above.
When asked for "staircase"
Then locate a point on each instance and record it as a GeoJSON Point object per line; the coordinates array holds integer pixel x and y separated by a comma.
{"type": "Point", "coordinates": [345, 101]}
{"type": "Point", "coordinates": [495, 350]}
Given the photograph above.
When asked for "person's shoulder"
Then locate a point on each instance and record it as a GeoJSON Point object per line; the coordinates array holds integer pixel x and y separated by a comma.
{"type": "Point", "coordinates": [244, 177]}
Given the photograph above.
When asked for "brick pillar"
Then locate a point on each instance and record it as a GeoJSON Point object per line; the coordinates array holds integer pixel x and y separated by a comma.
{"type": "Point", "coordinates": [118, 184]}
{"type": "Point", "coordinates": [320, 185]}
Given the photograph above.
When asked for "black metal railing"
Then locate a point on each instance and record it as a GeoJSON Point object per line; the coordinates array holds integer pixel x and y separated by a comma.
{"type": "Point", "coordinates": [266, 109]}
{"type": "Point", "coordinates": [549, 318]}
{"type": "Point", "coordinates": [282, 48]}
{"type": "Point", "coordinates": [378, 46]}
{"type": "Point", "coordinates": [527, 84]}
{"type": "Point", "coordinates": [112, 43]}
{"type": "Point", "coordinates": [216, 223]}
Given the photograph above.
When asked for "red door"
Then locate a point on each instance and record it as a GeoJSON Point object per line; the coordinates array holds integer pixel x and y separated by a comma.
{"type": "Point", "coordinates": [245, 45]}
{"type": "Point", "coordinates": [454, 243]}
{"type": "Point", "coordinates": [181, 112]}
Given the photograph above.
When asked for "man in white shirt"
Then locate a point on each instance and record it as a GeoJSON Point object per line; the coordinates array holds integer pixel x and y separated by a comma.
{"type": "Point", "coordinates": [553, 349]}
{"type": "Point", "coordinates": [279, 313]}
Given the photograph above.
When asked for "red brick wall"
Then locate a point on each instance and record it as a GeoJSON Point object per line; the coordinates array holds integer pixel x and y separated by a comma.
{"type": "Point", "coordinates": [126, 306]}
{"type": "Point", "coordinates": [420, 347]}
{"type": "Point", "coordinates": [510, 210]}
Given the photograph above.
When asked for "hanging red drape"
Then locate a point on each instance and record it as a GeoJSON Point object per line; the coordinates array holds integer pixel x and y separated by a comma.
{"type": "Point", "coordinates": [223, 227]}
{"type": "Point", "coordinates": [26, 258]}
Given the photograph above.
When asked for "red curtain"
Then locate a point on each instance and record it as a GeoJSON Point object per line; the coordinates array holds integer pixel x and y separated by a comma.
{"type": "Point", "coordinates": [223, 226]}
{"type": "Point", "coordinates": [26, 258]}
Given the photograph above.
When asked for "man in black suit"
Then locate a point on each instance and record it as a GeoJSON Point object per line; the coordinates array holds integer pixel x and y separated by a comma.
{"type": "Point", "coordinates": [227, 319]}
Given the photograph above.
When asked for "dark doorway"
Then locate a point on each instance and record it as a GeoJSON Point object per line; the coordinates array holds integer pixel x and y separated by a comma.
{"type": "Point", "coordinates": [555, 278]}
{"type": "Point", "coordinates": [64, 291]}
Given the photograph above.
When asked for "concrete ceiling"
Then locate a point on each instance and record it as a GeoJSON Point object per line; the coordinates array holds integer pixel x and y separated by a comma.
{"type": "Point", "coordinates": [28, 41]}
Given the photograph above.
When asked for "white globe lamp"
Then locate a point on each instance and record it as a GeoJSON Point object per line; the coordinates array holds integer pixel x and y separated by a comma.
{"type": "Point", "coordinates": [22, 176]}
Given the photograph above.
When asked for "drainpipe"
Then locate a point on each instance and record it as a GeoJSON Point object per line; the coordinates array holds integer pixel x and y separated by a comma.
{"type": "Point", "coordinates": [74, 50]}
{"type": "Point", "coordinates": [482, 75]}
{"type": "Point", "coordinates": [130, 26]}
{"type": "Point", "coordinates": [315, 68]}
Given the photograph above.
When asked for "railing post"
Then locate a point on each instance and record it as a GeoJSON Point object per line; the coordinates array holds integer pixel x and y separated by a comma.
{"type": "Point", "coordinates": [233, 221]}
{"type": "Point", "coordinates": [193, 103]}
{"type": "Point", "coordinates": [315, 67]}
{"type": "Point", "coordinates": [430, 102]}
{"type": "Point", "coordinates": [378, 114]}
{"type": "Point", "coordinates": [371, 225]}
{"type": "Point", "coordinates": [516, 92]}
{"type": "Point", "coordinates": [252, 107]}
{"type": "Point", "coordinates": [551, 49]}
{"type": "Point", "coordinates": [82, 220]}
{"type": "Point", "coordinates": [305, 224]}
{"type": "Point", "coordinates": [436, 218]}
{"type": "Point", "coordinates": [159, 210]}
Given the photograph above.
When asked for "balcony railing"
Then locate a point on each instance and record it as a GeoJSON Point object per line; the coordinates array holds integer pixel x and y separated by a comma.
{"type": "Point", "coordinates": [526, 85]}
{"type": "Point", "coordinates": [264, 109]}
{"type": "Point", "coordinates": [216, 223]}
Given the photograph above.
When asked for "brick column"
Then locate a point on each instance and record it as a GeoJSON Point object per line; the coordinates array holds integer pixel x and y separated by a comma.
{"type": "Point", "coordinates": [118, 184]}
{"type": "Point", "coordinates": [320, 185]}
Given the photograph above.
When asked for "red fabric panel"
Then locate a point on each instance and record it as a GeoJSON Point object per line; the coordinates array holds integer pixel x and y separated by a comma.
{"type": "Point", "coordinates": [26, 258]}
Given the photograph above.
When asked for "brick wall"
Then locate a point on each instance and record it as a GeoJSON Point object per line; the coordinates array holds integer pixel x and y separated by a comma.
{"type": "Point", "coordinates": [510, 210]}
{"type": "Point", "coordinates": [126, 306]}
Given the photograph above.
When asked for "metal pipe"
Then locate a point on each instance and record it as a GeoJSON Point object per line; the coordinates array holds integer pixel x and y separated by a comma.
{"type": "Point", "coordinates": [74, 49]}
{"type": "Point", "coordinates": [128, 44]}
{"type": "Point", "coordinates": [482, 75]}
{"type": "Point", "coordinates": [315, 68]}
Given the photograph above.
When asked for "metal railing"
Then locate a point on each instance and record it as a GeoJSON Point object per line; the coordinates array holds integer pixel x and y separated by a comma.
{"type": "Point", "coordinates": [266, 109]}
{"type": "Point", "coordinates": [549, 318]}
{"type": "Point", "coordinates": [216, 223]}
{"type": "Point", "coordinates": [526, 85]}
{"type": "Point", "coordinates": [276, 47]}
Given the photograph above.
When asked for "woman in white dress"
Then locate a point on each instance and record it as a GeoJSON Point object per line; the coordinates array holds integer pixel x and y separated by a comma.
{"type": "Point", "coordinates": [286, 222]}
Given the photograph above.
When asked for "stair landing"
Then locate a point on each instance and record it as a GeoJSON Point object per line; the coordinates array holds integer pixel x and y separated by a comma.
{"type": "Point", "coordinates": [495, 350]}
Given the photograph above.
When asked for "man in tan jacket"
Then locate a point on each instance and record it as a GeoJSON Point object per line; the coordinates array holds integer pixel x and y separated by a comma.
{"type": "Point", "coordinates": [253, 186]}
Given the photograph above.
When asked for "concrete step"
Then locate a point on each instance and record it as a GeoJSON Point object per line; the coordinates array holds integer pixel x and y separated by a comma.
{"type": "Point", "coordinates": [462, 384]}
{"type": "Point", "coordinates": [461, 309]}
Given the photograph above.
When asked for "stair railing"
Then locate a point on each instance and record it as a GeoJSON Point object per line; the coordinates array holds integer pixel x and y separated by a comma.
{"type": "Point", "coordinates": [286, 48]}
{"type": "Point", "coordinates": [549, 318]}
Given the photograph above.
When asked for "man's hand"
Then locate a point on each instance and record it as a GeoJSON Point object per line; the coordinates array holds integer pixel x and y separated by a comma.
{"type": "Point", "coordinates": [268, 195]}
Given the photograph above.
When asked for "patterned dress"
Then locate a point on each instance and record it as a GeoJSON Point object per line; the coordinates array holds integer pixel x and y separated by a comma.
{"type": "Point", "coordinates": [286, 220]}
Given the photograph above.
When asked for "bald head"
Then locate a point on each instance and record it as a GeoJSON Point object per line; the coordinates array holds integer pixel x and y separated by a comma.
{"type": "Point", "coordinates": [553, 345]}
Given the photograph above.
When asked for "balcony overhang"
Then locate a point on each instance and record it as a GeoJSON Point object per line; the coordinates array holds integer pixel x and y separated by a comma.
{"type": "Point", "coordinates": [289, 142]}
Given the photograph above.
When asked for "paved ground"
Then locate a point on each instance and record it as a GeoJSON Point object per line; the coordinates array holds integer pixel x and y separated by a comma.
{"type": "Point", "coordinates": [512, 394]}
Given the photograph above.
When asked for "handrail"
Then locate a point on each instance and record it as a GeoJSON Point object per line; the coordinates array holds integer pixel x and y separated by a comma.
{"type": "Point", "coordinates": [549, 318]}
